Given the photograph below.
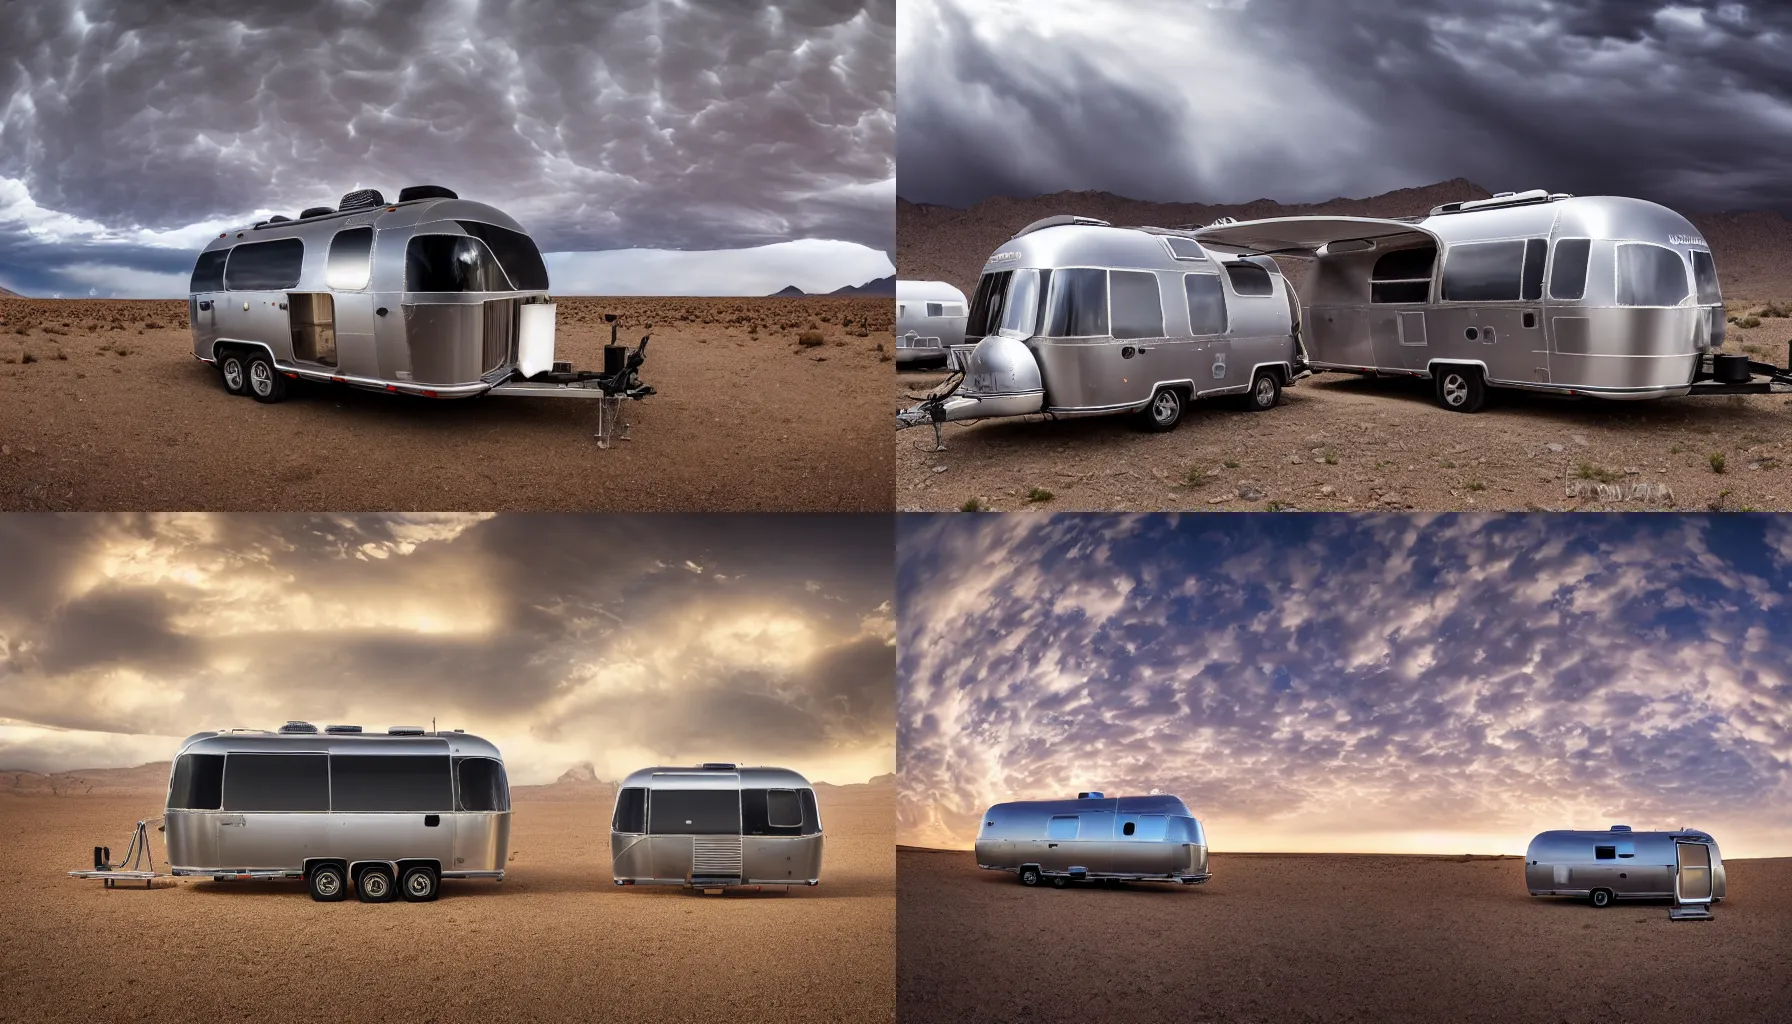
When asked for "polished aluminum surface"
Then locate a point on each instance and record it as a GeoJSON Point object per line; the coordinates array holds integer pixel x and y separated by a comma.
{"type": "Point", "coordinates": [923, 338]}
{"type": "Point", "coordinates": [714, 860]}
{"type": "Point", "coordinates": [1088, 838]}
{"type": "Point", "coordinates": [1638, 865]}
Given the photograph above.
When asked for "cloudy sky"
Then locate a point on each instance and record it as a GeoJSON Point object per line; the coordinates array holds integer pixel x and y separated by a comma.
{"type": "Point", "coordinates": [133, 130]}
{"type": "Point", "coordinates": [1352, 684]}
{"type": "Point", "coordinates": [615, 640]}
{"type": "Point", "coordinates": [1222, 101]}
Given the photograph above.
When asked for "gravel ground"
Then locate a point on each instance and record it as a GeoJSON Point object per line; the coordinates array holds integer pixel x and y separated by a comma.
{"type": "Point", "coordinates": [1332, 938]}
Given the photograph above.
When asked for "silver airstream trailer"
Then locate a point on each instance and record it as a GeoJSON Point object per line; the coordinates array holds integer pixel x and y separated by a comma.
{"type": "Point", "coordinates": [391, 814]}
{"type": "Point", "coordinates": [715, 825]}
{"type": "Point", "coordinates": [432, 295]}
{"type": "Point", "coordinates": [1136, 838]}
{"type": "Point", "coordinates": [930, 317]}
{"type": "Point", "coordinates": [1076, 317]}
{"type": "Point", "coordinates": [1621, 864]}
{"type": "Point", "coordinates": [1595, 295]}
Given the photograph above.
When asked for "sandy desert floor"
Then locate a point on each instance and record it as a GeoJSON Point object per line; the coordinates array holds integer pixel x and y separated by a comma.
{"type": "Point", "coordinates": [1331, 938]}
{"type": "Point", "coordinates": [102, 406]}
{"type": "Point", "coordinates": [554, 941]}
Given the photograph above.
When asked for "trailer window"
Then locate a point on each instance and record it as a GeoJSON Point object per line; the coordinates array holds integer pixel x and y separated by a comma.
{"type": "Point", "coordinates": [1138, 304]}
{"type": "Point", "coordinates": [208, 273]}
{"type": "Point", "coordinates": [1650, 275]}
{"type": "Point", "coordinates": [783, 809]}
{"type": "Point", "coordinates": [986, 305]}
{"type": "Point", "coordinates": [1206, 303]}
{"type": "Point", "coordinates": [451, 263]}
{"type": "Point", "coordinates": [631, 811]}
{"type": "Point", "coordinates": [264, 266]}
{"type": "Point", "coordinates": [1020, 310]}
{"type": "Point", "coordinates": [811, 815]}
{"type": "Point", "coordinates": [1704, 274]}
{"type": "Point", "coordinates": [1077, 304]}
{"type": "Point", "coordinates": [198, 783]}
{"type": "Point", "coordinates": [1062, 826]}
{"type": "Point", "coordinates": [1626, 850]}
{"type": "Point", "coordinates": [1183, 830]}
{"type": "Point", "coordinates": [1151, 828]}
{"type": "Point", "coordinates": [1249, 279]}
{"type": "Point", "coordinates": [1605, 853]}
{"type": "Point", "coordinates": [757, 817]}
{"type": "Point", "coordinates": [1403, 275]}
{"type": "Point", "coordinates": [694, 812]}
{"type": "Point", "coordinates": [390, 782]}
{"type": "Point", "coordinates": [351, 259]}
{"type": "Point", "coordinates": [936, 309]}
{"type": "Point", "coordinates": [1568, 275]}
{"type": "Point", "coordinates": [1483, 271]}
{"type": "Point", "coordinates": [276, 782]}
{"type": "Point", "coordinates": [1129, 828]}
{"type": "Point", "coordinates": [516, 253]}
{"type": "Point", "coordinates": [481, 785]}
{"type": "Point", "coordinates": [1536, 250]}
{"type": "Point", "coordinates": [1184, 248]}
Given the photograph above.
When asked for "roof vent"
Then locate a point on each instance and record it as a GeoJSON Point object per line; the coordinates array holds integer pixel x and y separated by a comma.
{"type": "Point", "coordinates": [410, 192]}
{"type": "Point", "coordinates": [1094, 794]}
{"type": "Point", "coordinates": [299, 728]}
{"type": "Point", "coordinates": [342, 730]}
{"type": "Point", "coordinates": [1620, 828]}
{"type": "Point", "coordinates": [405, 730]}
{"type": "Point", "coordinates": [315, 211]}
{"type": "Point", "coordinates": [1059, 221]}
{"type": "Point", "coordinates": [278, 218]}
{"type": "Point", "coordinates": [716, 766]}
{"type": "Point", "coordinates": [361, 199]}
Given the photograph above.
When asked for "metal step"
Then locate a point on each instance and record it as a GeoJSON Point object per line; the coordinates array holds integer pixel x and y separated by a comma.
{"type": "Point", "coordinates": [1689, 912]}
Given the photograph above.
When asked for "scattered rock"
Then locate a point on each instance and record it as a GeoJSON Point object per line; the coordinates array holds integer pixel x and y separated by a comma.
{"type": "Point", "coordinates": [1552, 446]}
{"type": "Point", "coordinates": [1249, 492]}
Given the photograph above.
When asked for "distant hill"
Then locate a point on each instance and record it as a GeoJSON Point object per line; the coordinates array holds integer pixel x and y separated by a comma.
{"type": "Point", "coordinates": [152, 777]}
{"type": "Point", "coordinates": [5, 294]}
{"type": "Point", "coordinates": [789, 291]}
{"type": "Point", "coordinates": [870, 289]}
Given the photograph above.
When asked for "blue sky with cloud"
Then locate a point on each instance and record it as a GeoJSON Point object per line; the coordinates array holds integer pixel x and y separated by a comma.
{"type": "Point", "coordinates": [1352, 683]}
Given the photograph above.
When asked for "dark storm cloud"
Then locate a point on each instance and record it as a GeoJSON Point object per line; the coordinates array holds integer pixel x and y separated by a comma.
{"type": "Point", "coordinates": [1686, 103]}
{"type": "Point", "coordinates": [570, 638]}
{"type": "Point", "coordinates": [128, 128]}
{"type": "Point", "coordinates": [1376, 682]}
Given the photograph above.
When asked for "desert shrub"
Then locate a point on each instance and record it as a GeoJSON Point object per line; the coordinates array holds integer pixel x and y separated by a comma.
{"type": "Point", "coordinates": [1039, 494]}
{"type": "Point", "coordinates": [1749, 321]}
{"type": "Point", "coordinates": [811, 339]}
{"type": "Point", "coordinates": [1717, 462]}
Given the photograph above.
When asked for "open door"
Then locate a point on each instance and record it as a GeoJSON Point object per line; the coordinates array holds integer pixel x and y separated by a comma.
{"type": "Point", "coordinates": [1692, 874]}
{"type": "Point", "coordinates": [313, 322]}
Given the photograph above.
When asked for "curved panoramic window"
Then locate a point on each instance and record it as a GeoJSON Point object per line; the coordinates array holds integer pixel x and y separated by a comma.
{"type": "Point", "coordinates": [783, 809]}
{"type": "Point", "coordinates": [1249, 279]}
{"type": "Point", "coordinates": [276, 782]}
{"type": "Point", "coordinates": [986, 305]}
{"type": "Point", "coordinates": [516, 253]}
{"type": "Point", "coordinates": [1077, 304]}
{"type": "Point", "coordinates": [1020, 310]}
{"type": "Point", "coordinates": [1138, 304]}
{"type": "Point", "coordinates": [351, 260]}
{"type": "Point", "coordinates": [451, 263]}
{"type": "Point", "coordinates": [264, 266]}
{"type": "Point", "coordinates": [631, 811]}
{"type": "Point", "coordinates": [1568, 274]}
{"type": "Point", "coordinates": [1184, 830]}
{"type": "Point", "coordinates": [694, 812]}
{"type": "Point", "coordinates": [1650, 275]}
{"type": "Point", "coordinates": [1151, 828]}
{"type": "Point", "coordinates": [198, 783]}
{"type": "Point", "coordinates": [1484, 271]}
{"type": "Point", "coordinates": [1704, 274]}
{"type": "Point", "coordinates": [1206, 303]}
{"type": "Point", "coordinates": [1536, 250]}
{"type": "Point", "coordinates": [208, 273]}
{"type": "Point", "coordinates": [1403, 275]}
{"type": "Point", "coordinates": [390, 782]}
{"type": "Point", "coordinates": [480, 785]}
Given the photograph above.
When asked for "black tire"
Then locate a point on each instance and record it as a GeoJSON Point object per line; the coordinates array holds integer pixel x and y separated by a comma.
{"type": "Point", "coordinates": [1059, 881]}
{"type": "Point", "coordinates": [1265, 393]}
{"type": "Point", "coordinates": [328, 883]}
{"type": "Point", "coordinates": [1164, 411]}
{"type": "Point", "coordinates": [233, 367]}
{"type": "Point", "coordinates": [1459, 388]}
{"type": "Point", "coordinates": [375, 884]}
{"type": "Point", "coordinates": [265, 381]}
{"type": "Point", "coordinates": [419, 885]}
{"type": "Point", "coordinates": [1601, 898]}
{"type": "Point", "coordinates": [1029, 876]}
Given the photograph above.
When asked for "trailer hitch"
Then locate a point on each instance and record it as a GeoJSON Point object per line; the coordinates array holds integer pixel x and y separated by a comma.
{"type": "Point", "coordinates": [931, 408]}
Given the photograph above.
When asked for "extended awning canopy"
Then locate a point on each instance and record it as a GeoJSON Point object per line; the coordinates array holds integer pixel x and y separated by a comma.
{"type": "Point", "coordinates": [1303, 236]}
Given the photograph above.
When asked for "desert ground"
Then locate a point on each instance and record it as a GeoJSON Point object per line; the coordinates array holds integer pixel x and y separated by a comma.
{"type": "Point", "coordinates": [102, 406]}
{"type": "Point", "coordinates": [1331, 938]}
{"type": "Point", "coordinates": [554, 941]}
{"type": "Point", "coordinates": [1345, 443]}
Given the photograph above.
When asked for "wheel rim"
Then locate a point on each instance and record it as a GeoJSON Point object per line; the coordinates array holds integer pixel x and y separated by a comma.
{"type": "Point", "coordinates": [1163, 408]}
{"type": "Point", "coordinates": [328, 883]}
{"type": "Point", "coordinates": [419, 883]}
{"type": "Point", "coordinates": [233, 374]}
{"type": "Point", "coordinates": [1266, 390]}
{"type": "Point", "coordinates": [1455, 389]}
{"type": "Point", "coordinates": [261, 377]}
{"type": "Point", "coordinates": [374, 883]}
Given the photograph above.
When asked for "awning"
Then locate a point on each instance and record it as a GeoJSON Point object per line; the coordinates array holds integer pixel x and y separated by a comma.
{"type": "Point", "coordinates": [1302, 235]}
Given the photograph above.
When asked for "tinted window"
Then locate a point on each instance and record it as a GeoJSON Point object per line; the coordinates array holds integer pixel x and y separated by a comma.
{"type": "Point", "coordinates": [1185, 248]}
{"type": "Point", "coordinates": [1704, 274]}
{"type": "Point", "coordinates": [1062, 826]}
{"type": "Point", "coordinates": [771, 812]}
{"type": "Point", "coordinates": [516, 253]}
{"type": "Point", "coordinates": [390, 782]}
{"type": "Point", "coordinates": [1605, 853]}
{"type": "Point", "coordinates": [783, 809]}
{"type": "Point", "coordinates": [1650, 275]}
{"type": "Point", "coordinates": [811, 816]}
{"type": "Point", "coordinates": [451, 263]}
{"type": "Point", "coordinates": [1249, 279]}
{"type": "Point", "coordinates": [1020, 310]}
{"type": "Point", "coordinates": [1483, 271]}
{"type": "Point", "coordinates": [631, 811]}
{"type": "Point", "coordinates": [1138, 305]}
{"type": "Point", "coordinates": [693, 811]}
{"type": "Point", "coordinates": [481, 785]}
{"type": "Point", "coordinates": [1151, 827]}
{"type": "Point", "coordinates": [1183, 830]}
{"type": "Point", "coordinates": [208, 274]}
{"type": "Point", "coordinates": [350, 259]}
{"type": "Point", "coordinates": [986, 305]}
{"type": "Point", "coordinates": [198, 783]}
{"type": "Point", "coordinates": [1403, 275]}
{"type": "Point", "coordinates": [1568, 275]}
{"type": "Point", "coordinates": [1077, 306]}
{"type": "Point", "coordinates": [1535, 251]}
{"type": "Point", "coordinates": [264, 266]}
{"type": "Point", "coordinates": [935, 309]}
{"type": "Point", "coordinates": [277, 782]}
{"type": "Point", "coordinates": [1206, 303]}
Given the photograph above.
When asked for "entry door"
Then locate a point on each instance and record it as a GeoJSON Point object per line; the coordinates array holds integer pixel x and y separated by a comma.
{"type": "Point", "coordinates": [270, 840]}
{"type": "Point", "coordinates": [204, 315]}
{"type": "Point", "coordinates": [355, 352]}
{"type": "Point", "coordinates": [1692, 882]}
{"type": "Point", "coordinates": [1064, 846]}
{"type": "Point", "coordinates": [1140, 846]}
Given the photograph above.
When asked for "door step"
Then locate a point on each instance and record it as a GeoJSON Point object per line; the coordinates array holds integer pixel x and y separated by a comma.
{"type": "Point", "coordinates": [1689, 912]}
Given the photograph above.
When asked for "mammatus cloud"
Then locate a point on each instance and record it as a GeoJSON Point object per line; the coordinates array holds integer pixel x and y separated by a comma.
{"type": "Point", "coordinates": [131, 132]}
{"type": "Point", "coordinates": [1687, 103]}
{"type": "Point", "coordinates": [1352, 683]}
{"type": "Point", "coordinates": [621, 641]}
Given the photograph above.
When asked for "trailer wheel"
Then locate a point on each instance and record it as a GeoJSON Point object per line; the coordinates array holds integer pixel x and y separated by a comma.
{"type": "Point", "coordinates": [1164, 412]}
{"type": "Point", "coordinates": [265, 382]}
{"type": "Point", "coordinates": [1266, 391]}
{"type": "Point", "coordinates": [1059, 881]}
{"type": "Point", "coordinates": [1029, 876]}
{"type": "Point", "coordinates": [1602, 897]}
{"type": "Point", "coordinates": [233, 372]}
{"type": "Point", "coordinates": [327, 883]}
{"type": "Point", "coordinates": [1460, 388]}
{"type": "Point", "coordinates": [375, 884]}
{"type": "Point", "coordinates": [419, 885]}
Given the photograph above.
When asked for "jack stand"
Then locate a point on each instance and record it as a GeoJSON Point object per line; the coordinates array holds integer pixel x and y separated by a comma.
{"type": "Point", "coordinates": [139, 863]}
{"type": "Point", "coordinates": [611, 427]}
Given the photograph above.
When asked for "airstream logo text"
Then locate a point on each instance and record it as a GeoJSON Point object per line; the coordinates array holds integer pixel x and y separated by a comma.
{"type": "Point", "coordinates": [1000, 256]}
{"type": "Point", "coordinates": [1685, 240]}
